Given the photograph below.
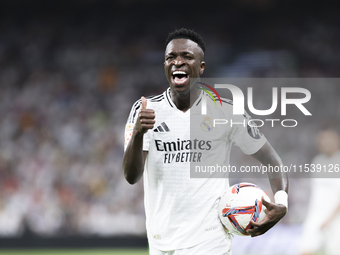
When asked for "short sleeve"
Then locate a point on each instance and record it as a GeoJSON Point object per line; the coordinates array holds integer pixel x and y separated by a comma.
{"type": "Point", "coordinates": [130, 124]}
{"type": "Point", "coordinates": [246, 135]}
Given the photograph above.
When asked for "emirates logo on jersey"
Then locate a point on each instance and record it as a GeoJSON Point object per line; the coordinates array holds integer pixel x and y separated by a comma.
{"type": "Point", "coordinates": [180, 145]}
{"type": "Point", "coordinates": [182, 150]}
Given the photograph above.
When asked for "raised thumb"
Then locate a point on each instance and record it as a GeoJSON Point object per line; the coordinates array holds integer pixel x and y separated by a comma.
{"type": "Point", "coordinates": [144, 102]}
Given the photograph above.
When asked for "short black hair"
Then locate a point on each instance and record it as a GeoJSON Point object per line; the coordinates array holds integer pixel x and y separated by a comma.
{"type": "Point", "coordinates": [185, 33]}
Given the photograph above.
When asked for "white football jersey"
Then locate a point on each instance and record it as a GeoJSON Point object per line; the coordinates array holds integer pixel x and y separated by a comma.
{"type": "Point", "coordinates": [181, 211]}
{"type": "Point", "coordinates": [325, 197]}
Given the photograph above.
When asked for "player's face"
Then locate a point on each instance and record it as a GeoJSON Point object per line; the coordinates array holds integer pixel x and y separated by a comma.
{"type": "Point", "coordinates": [328, 142]}
{"type": "Point", "coordinates": [183, 63]}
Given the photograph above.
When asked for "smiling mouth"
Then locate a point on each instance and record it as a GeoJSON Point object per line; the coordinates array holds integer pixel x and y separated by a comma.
{"type": "Point", "coordinates": [179, 77]}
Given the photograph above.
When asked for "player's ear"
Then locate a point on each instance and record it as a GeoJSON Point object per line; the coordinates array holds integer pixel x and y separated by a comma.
{"type": "Point", "coordinates": [202, 67]}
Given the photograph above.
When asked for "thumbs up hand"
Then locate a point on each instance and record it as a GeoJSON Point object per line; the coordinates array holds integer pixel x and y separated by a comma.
{"type": "Point", "coordinates": [146, 118]}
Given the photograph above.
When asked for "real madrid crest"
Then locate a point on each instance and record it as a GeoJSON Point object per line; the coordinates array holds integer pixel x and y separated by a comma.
{"type": "Point", "coordinates": [206, 124]}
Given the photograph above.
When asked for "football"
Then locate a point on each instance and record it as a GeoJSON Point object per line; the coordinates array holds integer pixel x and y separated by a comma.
{"type": "Point", "coordinates": [240, 204]}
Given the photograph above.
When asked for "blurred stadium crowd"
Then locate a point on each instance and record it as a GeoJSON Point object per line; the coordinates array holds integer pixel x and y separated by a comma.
{"type": "Point", "coordinates": [68, 80]}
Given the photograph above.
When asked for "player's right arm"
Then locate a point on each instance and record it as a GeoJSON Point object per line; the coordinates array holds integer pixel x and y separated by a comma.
{"type": "Point", "coordinates": [134, 156]}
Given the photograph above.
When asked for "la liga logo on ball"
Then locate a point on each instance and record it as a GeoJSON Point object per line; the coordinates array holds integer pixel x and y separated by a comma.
{"type": "Point", "coordinates": [240, 204]}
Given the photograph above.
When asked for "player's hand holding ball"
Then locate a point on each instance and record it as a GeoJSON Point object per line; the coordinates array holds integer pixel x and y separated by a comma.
{"type": "Point", "coordinates": [245, 209]}
{"type": "Point", "coordinates": [274, 214]}
{"type": "Point", "coordinates": [146, 119]}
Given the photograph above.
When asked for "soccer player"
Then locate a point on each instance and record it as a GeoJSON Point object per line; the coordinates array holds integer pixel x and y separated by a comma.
{"type": "Point", "coordinates": [320, 232]}
{"type": "Point", "coordinates": [181, 212]}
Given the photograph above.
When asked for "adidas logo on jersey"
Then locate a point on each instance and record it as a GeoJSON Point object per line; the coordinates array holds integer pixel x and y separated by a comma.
{"type": "Point", "coordinates": [162, 128]}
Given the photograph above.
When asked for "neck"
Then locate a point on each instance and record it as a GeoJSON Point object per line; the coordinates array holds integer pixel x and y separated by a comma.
{"type": "Point", "coordinates": [184, 101]}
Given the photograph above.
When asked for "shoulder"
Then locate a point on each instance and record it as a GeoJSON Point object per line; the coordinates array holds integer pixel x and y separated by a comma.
{"type": "Point", "coordinates": [221, 103]}
{"type": "Point", "coordinates": [150, 99]}
{"type": "Point", "coordinates": [134, 110]}
{"type": "Point", "coordinates": [318, 159]}
{"type": "Point", "coordinates": [137, 104]}
{"type": "Point", "coordinates": [156, 99]}
{"type": "Point", "coordinates": [219, 100]}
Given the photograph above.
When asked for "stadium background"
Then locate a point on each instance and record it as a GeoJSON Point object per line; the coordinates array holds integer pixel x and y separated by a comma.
{"type": "Point", "coordinates": [69, 73]}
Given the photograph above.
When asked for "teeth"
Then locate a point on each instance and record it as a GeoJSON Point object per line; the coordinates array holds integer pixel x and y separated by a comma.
{"type": "Point", "coordinates": [178, 72]}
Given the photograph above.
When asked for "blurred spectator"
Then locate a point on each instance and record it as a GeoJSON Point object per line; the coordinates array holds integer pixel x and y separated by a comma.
{"type": "Point", "coordinates": [321, 226]}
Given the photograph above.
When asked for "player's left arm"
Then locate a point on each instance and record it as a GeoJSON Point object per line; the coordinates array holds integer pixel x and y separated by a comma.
{"type": "Point", "coordinates": [279, 183]}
